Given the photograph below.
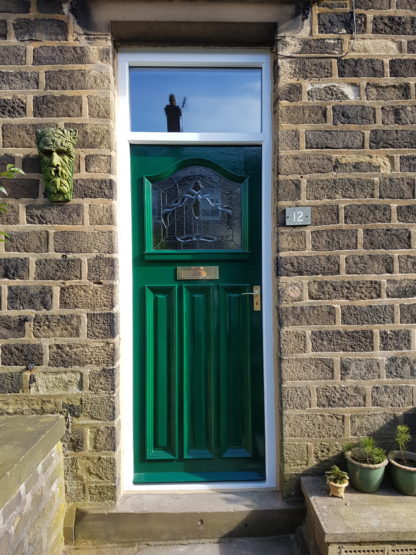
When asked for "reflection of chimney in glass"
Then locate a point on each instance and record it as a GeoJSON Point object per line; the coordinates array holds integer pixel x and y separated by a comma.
{"type": "Point", "coordinates": [173, 114]}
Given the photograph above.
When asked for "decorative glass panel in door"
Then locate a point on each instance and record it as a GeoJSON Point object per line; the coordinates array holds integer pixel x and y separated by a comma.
{"type": "Point", "coordinates": [197, 332]}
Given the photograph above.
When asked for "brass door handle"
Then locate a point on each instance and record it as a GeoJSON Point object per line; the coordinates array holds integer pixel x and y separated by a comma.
{"type": "Point", "coordinates": [256, 297]}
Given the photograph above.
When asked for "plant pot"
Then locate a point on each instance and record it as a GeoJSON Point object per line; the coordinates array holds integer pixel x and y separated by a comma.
{"type": "Point", "coordinates": [366, 478]}
{"type": "Point", "coordinates": [404, 477]}
{"type": "Point", "coordinates": [337, 490]}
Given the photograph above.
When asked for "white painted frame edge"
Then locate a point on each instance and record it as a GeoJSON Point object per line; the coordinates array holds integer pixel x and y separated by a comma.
{"type": "Point", "coordinates": [124, 137]}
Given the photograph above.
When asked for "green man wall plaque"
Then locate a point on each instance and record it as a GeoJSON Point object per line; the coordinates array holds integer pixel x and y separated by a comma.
{"type": "Point", "coordinates": [56, 149]}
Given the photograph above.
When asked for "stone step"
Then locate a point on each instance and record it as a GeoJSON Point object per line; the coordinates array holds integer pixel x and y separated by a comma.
{"type": "Point", "coordinates": [184, 516]}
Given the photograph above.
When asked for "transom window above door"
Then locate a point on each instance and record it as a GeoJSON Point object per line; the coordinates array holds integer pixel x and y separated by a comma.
{"type": "Point", "coordinates": [196, 100]}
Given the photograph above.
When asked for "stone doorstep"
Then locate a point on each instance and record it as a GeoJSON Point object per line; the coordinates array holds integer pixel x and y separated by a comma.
{"type": "Point", "coordinates": [183, 516]}
{"type": "Point", "coordinates": [384, 521]}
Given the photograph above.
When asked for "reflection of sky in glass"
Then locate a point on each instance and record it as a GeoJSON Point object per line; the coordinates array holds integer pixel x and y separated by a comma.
{"type": "Point", "coordinates": [218, 100]}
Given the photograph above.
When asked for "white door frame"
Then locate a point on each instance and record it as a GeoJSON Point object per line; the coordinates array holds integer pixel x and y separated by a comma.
{"type": "Point", "coordinates": [125, 137]}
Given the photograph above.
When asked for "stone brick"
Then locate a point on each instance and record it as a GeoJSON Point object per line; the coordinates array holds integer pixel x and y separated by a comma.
{"type": "Point", "coordinates": [308, 265]}
{"type": "Point", "coordinates": [307, 315]}
{"type": "Point", "coordinates": [290, 92]}
{"type": "Point", "coordinates": [31, 164]}
{"type": "Point", "coordinates": [99, 407]}
{"type": "Point", "coordinates": [375, 91]}
{"type": "Point", "coordinates": [98, 163]}
{"type": "Point", "coordinates": [99, 107]}
{"type": "Point", "coordinates": [334, 239]}
{"type": "Point", "coordinates": [21, 354]}
{"type": "Point", "coordinates": [103, 438]}
{"type": "Point", "coordinates": [3, 29]}
{"type": "Point", "coordinates": [290, 45]}
{"type": "Point", "coordinates": [367, 315]}
{"type": "Point", "coordinates": [32, 297]}
{"type": "Point", "coordinates": [399, 115]}
{"type": "Point", "coordinates": [411, 46]}
{"type": "Point", "coordinates": [306, 68]}
{"type": "Point", "coordinates": [288, 140]}
{"type": "Point", "coordinates": [391, 396]}
{"type": "Point", "coordinates": [81, 354]}
{"type": "Point", "coordinates": [367, 213]}
{"type": "Point", "coordinates": [405, 5]}
{"type": "Point", "coordinates": [311, 426]}
{"type": "Point", "coordinates": [40, 29]}
{"type": "Point", "coordinates": [401, 368]}
{"type": "Point", "coordinates": [408, 312]}
{"type": "Point", "coordinates": [101, 214]}
{"type": "Point", "coordinates": [101, 269]}
{"type": "Point", "coordinates": [319, 189]}
{"type": "Point", "coordinates": [403, 67]}
{"type": "Point", "coordinates": [395, 340]}
{"type": "Point", "coordinates": [407, 264]}
{"type": "Point", "coordinates": [12, 327]}
{"type": "Point", "coordinates": [54, 214]}
{"type": "Point", "coordinates": [372, 4]}
{"type": "Point", "coordinates": [307, 369]}
{"type": "Point", "coordinates": [373, 423]}
{"type": "Point", "coordinates": [292, 342]}
{"type": "Point", "coordinates": [14, 268]}
{"type": "Point", "coordinates": [387, 239]}
{"type": "Point", "coordinates": [57, 382]}
{"type": "Point", "coordinates": [290, 291]}
{"type": "Point", "coordinates": [94, 188]}
{"type": "Point", "coordinates": [100, 493]}
{"type": "Point", "coordinates": [83, 241]}
{"type": "Point", "coordinates": [73, 440]}
{"type": "Point", "coordinates": [353, 115]}
{"type": "Point", "coordinates": [360, 369]}
{"type": "Point", "coordinates": [58, 269]}
{"type": "Point", "coordinates": [27, 241]}
{"type": "Point", "coordinates": [291, 240]}
{"type": "Point", "coordinates": [334, 139]}
{"type": "Point", "coordinates": [302, 114]}
{"type": "Point", "coordinates": [325, 215]}
{"type": "Point", "coordinates": [369, 264]}
{"type": "Point", "coordinates": [397, 187]}
{"type": "Point", "coordinates": [27, 405]}
{"type": "Point", "coordinates": [87, 296]}
{"type": "Point", "coordinates": [305, 164]}
{"type": "Point", "coordinates": [15, 6]}
{"type": "Point", "coordinates": [21, 188]}
{"type": "Point", "coordinates": [408, 163]}
{"type": "Point", "coordinates": [22, 135]}
{"type": "Point", "coordinates": [10, 216]}
{"type": "Point", "coordinates": [57, 106]}
{"type": "Point", "coordinates": [50, 6]}
{"type": "Point", "coordinates": [12, 55]}
{"type": "Point", "coordinates": [295, 454]}
{"type": "Point", "coordinates": [288, 189]}
{"type": "Point", "coordinates": [331, 341]}
{"type": "Point", "coordinates": [394, 25]}
{"type": "Point", "coordinates": [406, 213]}
{"type": "Point", "coordinates": [296, 398]}
{"type": "Point", "coordinates": [62, 325]}
{"type": "Point", "coordinates": [101, 325]}
{"type": "Point", "coordinates": [350, 290]}
{"type": "Point", "coordinates": [61, 55]}
{"type": "Point", "coordinates": [401, 288]}
{"type": "Point", "coordinates": [11, 382]}
{"type": "Point", "coordinates": [103, 380]}
{"type": "Point", "coordinates": [392, 138]}
{"type": "Point", "coordinates": [77, 79]}
{"type": "Point", "coordinates": [362, 164]}
{"type": "Point", "coordinates": [4, 160]}
{"type": "Point", "coordinates": [105, 55]}
{"type": "Point", "coordinates": [335, 23]}
{"type": "Point", "coordinates": [340, 396]}
{"type": "Point", "coordinates": [322, 452]}
{"type": "Point", "coordinates": [360, 67]}
{"type": "Point", "coordinates": [91, 135]}
{"type": "Point", "coordinates": [18, 80]}
{"type": "Point", "coordinates": [332, 91]}
{"type": "Point", "coordinates": [12, 107]}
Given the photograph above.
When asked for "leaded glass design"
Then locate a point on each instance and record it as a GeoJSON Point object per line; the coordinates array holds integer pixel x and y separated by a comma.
{"type": "Point", "coordinates": [197, 208]}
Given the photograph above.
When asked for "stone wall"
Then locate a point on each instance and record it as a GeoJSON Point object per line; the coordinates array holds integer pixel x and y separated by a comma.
{"type": "Point", "coordinates": [57, 270]}
{"type": "Point", "coordinates": [347, 114]}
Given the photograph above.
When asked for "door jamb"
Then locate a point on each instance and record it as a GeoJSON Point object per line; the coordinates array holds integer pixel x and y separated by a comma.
{"type": "Point", "coordinates": [162, 57]}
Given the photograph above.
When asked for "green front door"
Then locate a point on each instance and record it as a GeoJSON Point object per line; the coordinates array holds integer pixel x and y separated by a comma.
{"type": "Point", "coordinates": [198, 381]}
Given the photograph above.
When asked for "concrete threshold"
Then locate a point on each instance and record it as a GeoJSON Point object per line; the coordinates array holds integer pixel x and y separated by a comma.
{"type": "Point", "coordinates": [183, 516]}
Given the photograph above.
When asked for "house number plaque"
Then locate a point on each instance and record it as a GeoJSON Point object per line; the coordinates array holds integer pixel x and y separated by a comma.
{"type": "Point", "coordinates": [301, 215]}
{"type": "Point", "coordinates": [197, 272]}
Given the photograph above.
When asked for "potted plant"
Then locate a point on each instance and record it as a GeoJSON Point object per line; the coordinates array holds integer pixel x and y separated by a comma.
{"type": "Point", "coordinates": [403, 463]}
{"type": "Point", "coordinates": [337, 481]}
{"type": "Point", "coordinates": [366, 464]}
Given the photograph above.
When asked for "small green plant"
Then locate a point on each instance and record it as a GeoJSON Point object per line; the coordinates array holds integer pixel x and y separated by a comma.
{"type": "Point", "coordinates": [336, 475]}
{"type": "Point", "coordinates": [403, 438]}
{"type": "Point", "coordinates": [366, 451]}
{"type": "Point", "coordinates": [11, 171]}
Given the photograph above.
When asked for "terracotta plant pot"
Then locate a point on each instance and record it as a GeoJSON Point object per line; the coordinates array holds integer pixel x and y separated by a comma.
{"type": "Point", "coordinates": [337, 490]}
{"type": "Point", "coordinates": [404, 477]}
{"type": "Point", "coordinates": [366, 478]}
